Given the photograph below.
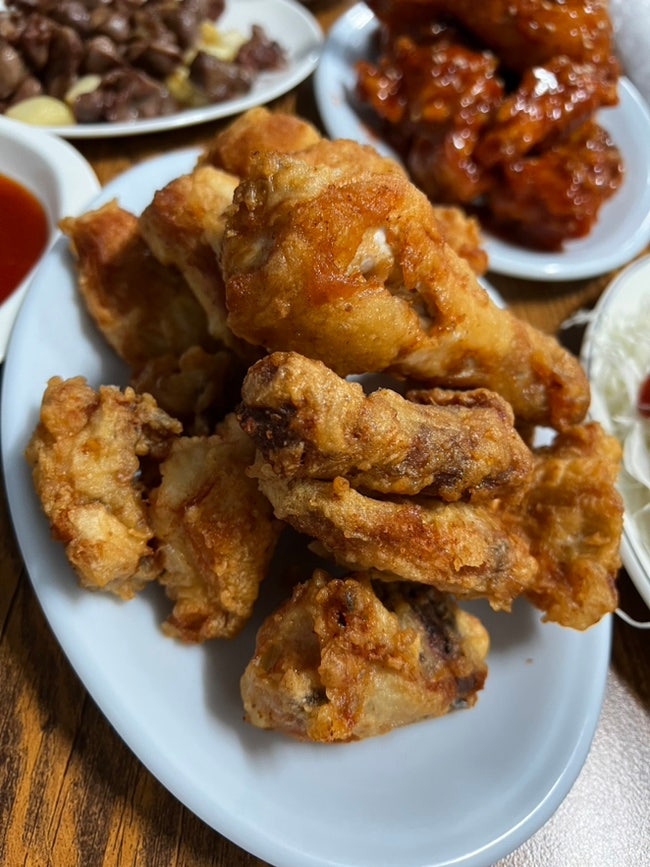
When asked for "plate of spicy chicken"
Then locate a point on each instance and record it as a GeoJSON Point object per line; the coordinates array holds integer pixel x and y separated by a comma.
{"type": "Point", "coordinates": [466, 788]}
{"type": "Point", "coordinates": [566, 217]}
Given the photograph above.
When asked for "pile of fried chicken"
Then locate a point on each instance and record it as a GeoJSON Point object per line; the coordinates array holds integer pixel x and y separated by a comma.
{"type": "Point", "coordinates": [312, 353]}
{"type": "Point", "coordinates": [494, 105]}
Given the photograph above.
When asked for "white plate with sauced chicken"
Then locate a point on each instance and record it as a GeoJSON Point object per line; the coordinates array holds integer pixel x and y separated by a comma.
{"type": "Point", "coordinates": [622, 229]}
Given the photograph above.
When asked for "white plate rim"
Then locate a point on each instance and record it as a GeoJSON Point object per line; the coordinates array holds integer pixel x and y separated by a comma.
{"type": "Point", "coordinates": [76, 184]}
{"type": "Point", "coordinates": [619, 295]}
{"type": "Point", "coordinates": [628, 211]}
{"type": "Point", "coordinates": [259, 772]}
{"type": "Point", "coordinates": [287, 21]}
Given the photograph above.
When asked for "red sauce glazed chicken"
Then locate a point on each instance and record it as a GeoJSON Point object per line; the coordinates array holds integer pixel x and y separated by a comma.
{"type": "Point", "coordinates": [493, 106]}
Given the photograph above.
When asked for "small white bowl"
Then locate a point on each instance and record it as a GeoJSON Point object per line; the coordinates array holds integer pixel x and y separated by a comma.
{"type": "Point", "coordinates": [59, 177]}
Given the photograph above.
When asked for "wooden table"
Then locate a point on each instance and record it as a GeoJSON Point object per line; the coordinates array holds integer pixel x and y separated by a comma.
{"type": "Point", "coordinates": [71, 793]}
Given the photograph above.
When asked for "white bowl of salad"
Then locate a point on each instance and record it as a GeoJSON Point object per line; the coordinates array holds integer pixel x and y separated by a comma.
{"type": "Point", "coordinates": [616, 356]}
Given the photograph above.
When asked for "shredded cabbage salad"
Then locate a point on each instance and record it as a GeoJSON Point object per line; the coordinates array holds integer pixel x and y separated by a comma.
{"type": "Point", "coordinates": [619, 365]}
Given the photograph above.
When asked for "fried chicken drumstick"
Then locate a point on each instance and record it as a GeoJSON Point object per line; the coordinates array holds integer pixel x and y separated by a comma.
{"type": "Point", "coordinates": [350, 266]}
{"type": "Point", "coordinates": [307, 422]}
{"type": "Point", "coordinates": [348, 658]}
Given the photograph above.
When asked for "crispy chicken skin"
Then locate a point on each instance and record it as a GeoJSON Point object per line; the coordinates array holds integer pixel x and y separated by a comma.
{"type": "Point", "coordinates": [385, 291]}
{"type": "Point", "coordinates": [233, 148]}
{"type": "Point", "coordinates": [183, 226]}
{"type": "Point", "coordinates": [461, 548]}
{"type": "Point", "coordinates": [85, 456]}
{"type": "Point", "coordinates": [573, 517]}
{"type": "Point", "coordinates": [121, 283]}
{"type": "Point", "coordinates": [198, 388]}
{"type": "Point", "coordinates": [346, 659]}
{"type": "Point", "coordinates": [215, 532]}
{"type": "Point", "coordinates": [308, 422]}
{"type": "Point", "coordinates": [171, 355]}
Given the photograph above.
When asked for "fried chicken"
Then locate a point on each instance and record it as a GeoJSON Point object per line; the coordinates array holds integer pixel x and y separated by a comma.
{"type": "Point", "coordinates": [171, 354]}
{"type": "Point", "coordinates": [346, 659]}
{"type": "Point", "coordinates": [121, 283]}
{"type": "Point", "coordinates": [351, 267]}
{"type": "Point", "coordinates": [461, 548]}
{"type": "Point", "coordinates": [542, 197]}
{"type": "Point", "coordinates": [573, 517]}
{"type": "Point", "coordinates": [183, 226]}
{"type": "Point", "coordinates": [215, 534]}
{"type": "Point", "coordinates": [523, 33]}
{"type": "Point", "coordinates": [473, 98]}
{"type": "Point", "coordinates": [198, 388]}
{"type": "Point", "coordinates": [86, 454]}
{"type": "Point", "coordinates": [233, 148]}
{"type": "Point", "coordinates": [307, 422]}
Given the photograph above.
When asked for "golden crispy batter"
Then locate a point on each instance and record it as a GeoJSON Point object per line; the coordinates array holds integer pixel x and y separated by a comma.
{"type": "Point", "coordinates": [121, 283]}
{"type": "Point", "coordinates": [460, 231]}
{"type": "Point", "coordinates": [309, 423]}
{"type": "Point", "coordinates": [351, 267]}
{"type": "Point", "coordinates": [344, 659]}
{"type": "Point", "coordinates": [234, 150]}
{"type": "Point", "coordinates": [573, 517]}
{"type": "Point", "coordinates": [85, 456]}
{"type": "Point", "coordinates": [183, 226]}
{"type": "Point", "coordinates": [463, 234]}
{"type": "Point", "coordinates": [461, 548]}
{"type": "Point", "coordinates": [258, 129]}
{"type": "Point", "coordinates": [215, 533]}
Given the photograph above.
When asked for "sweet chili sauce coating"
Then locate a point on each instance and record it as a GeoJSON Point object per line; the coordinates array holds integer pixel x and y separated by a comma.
{"type": "Point", "coordinates": [480, 101]}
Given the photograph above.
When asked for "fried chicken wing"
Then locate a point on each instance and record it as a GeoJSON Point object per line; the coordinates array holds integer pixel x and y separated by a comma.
{"type": "Point", "coordinates": [573, 518]}
{"type": "Point", "coordinates": [85, 455]}
{"type": "Point", "coordinates": [346, 659]}
{"type": "Point", "coordinates": [550, 103]}
{"type": "Point", "coordinates": [215, 534]}
{"type": "Point", "coordinates": [352, 268]}
{"type": "Point", "coordinates": [121, 283]}
{"type": "Point", "coordinates": [309, 423]}
{"type": "Point", "coordinates": [461, 548]}
{"type": "Point", "coordinates": [543, 198]}
{"type": "Point", "coordinates": [440, 97]}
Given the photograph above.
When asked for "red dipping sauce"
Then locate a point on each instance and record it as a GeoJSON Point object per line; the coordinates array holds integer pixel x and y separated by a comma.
{"type": "Point", "coordinates": [24, 231]}
{"type": "Point", "coordinates": [643, 402]}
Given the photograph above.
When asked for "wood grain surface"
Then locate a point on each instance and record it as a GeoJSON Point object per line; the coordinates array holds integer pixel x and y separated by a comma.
{"type": "Point", "coordinates": [71, 792]}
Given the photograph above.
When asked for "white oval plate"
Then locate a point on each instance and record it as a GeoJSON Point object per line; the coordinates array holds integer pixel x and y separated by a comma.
{"type": "Point", "coordinates": [614, 328]}
{"type": "Point", "coordinates": [401, 800]}
{"type": "Point", "coordinates": [286, 21]}
{"type": "Point", "coordinates": [54, 172]}
{"type": "Point", "coordinates": [623, 227]}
